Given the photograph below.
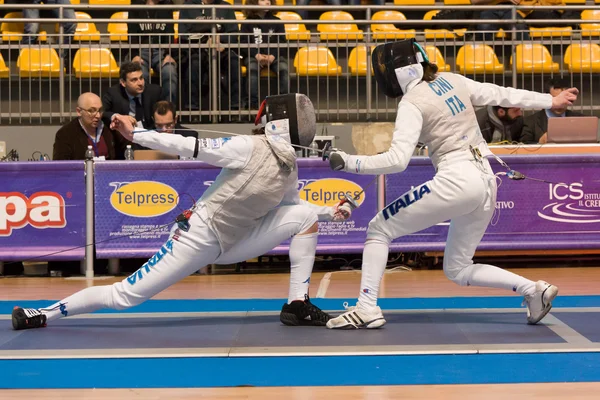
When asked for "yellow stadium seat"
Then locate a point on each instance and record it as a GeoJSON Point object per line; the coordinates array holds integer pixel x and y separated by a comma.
{"type": "Point", "coordinates": [229, 1]}
{"type": "Point", "coordinates": [95, 63]}
{"type": "Point", "coordinates": [435, 56]}
{"type": "Point", "coordinates": [4, 71]}
{"type": "Point", "coordinates": [561, 31]}
{"type": "Point", "coordinates": [534, 58]}
{"type": "Point", "coordinates": [264, 72]}
{"type": "Point", "coordinates": [338, 31]}
{"type": "Point", "coordinates": [118, 30]}
{"type": "Point", "coordinates": [440, 33]}
{"type": "Point", "coordinates": [275, 2]}
{"type": "Point", "coordinates": [316, 61]}
{"type": "Point", "coordinates": [358, 61]}
{"type": "Point", "coordinates": [294, 31]}
{"type": "Point", "coordinates": [478, 59]}
{"type": "Point", "coordinates": [389, 31]}
{"type": "Point", "coordinates": [574, 1]}
{"type": "Point", "coordinates": [590, 29]}
{"type": "Point", "coordinates": [75, 2]}
{"type": "Point", "coordinates": [110, 2]}
{"type": "Point", "coordinates": [414, 2]}
{"type": "Point", "coordinates": [176, 26]}
{"type": "Point", "coordinates": [583, 58]}
{"type": "Point", "coordinates": [86, 30]}
{"type": "Point", "coordinates": [456, 2]}
{"type": "Point", "coordinates": [38, 63]}
{"type": "Point", "coordinates": [13, 31]}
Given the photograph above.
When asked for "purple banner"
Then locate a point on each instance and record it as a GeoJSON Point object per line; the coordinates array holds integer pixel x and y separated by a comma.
{"type": "Point", "coordinates": [530, 215]}
{"type": "Point", "coordinates": [42, 210]}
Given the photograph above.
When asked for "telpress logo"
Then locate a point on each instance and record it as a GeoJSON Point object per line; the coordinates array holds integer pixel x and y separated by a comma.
{"type": "Point", "coordinates": [143, 198]}
{"type": "Point", "coordinates": [41, 210]}
{"type": "Point", "coordinates": [328, 191]}
{"type": "Point", "coordinates": [574, 206]}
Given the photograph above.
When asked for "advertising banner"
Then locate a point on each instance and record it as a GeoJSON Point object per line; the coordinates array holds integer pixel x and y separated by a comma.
{"type": "Point", "coordinates": [42, 210]}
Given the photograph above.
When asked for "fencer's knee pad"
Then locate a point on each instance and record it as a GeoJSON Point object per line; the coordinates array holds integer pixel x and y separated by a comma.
{"type": "Point", "coordinates": [375, 231]}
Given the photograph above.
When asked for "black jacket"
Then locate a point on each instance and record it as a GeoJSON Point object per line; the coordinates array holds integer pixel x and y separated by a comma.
{"type": "Point", "coordinates": [188, 32]}
{"type": "Point", "coordinates": [537, 124]}
{"type": "Point", "coordinates": [116, 101]}
{"type": "Point", "coordinates": [71, 142]}
{"type": "Point", "coordinates": [511, 132]}
{"type": "Point", "coordinates": [144, 33]}
{"type": "Point", "coordinates": [261, 37]}
{"type": "Point", "coordinates": [178, 126]}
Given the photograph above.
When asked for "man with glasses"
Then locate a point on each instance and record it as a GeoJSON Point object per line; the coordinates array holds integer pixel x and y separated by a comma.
{"type": "Point", "coordinates": [165, 120]}
{"type": "Point", "coordinates": [73, 139]}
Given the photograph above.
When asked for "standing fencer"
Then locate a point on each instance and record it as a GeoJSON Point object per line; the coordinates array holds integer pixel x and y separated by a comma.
{"type": "Point", "coordinates": [438, 110]}
{"type": "Point", "coordinates": [252, 206]}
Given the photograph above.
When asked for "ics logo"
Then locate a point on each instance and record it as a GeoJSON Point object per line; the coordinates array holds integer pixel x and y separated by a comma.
{"type": "Point", "coordinates": [143, 198]}
{"type": "Point", "coordinates": [41, 210]}
{"type": "Point", "coordinates": [328, 192]}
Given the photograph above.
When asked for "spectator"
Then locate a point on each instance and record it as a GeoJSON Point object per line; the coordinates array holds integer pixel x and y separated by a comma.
{"type": "Point", "coordinates": [304, 13]}
{"type": "Point", "coordinates": [132, 96]}
{"type": "Point", "coordinates": [262, 52]}
{"type": "Point", "coordinates": [499, 124]}
{"type": "Point", "coordinates": [142, 37]}
{"type": "Point", "coordinates": [523, 31]}
{"type": "Point", "coordinates": [31, 29]}
{"type": "Point", "coordinates": [165, 119]}
{"type": "Point", "coordinates": [87, 129]}
{"type": "Point", "coordinates": [535, 129]}
{"type": "Point", "coordinates": [198, 59]}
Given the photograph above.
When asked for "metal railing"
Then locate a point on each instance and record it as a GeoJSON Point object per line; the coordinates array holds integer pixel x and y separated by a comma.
{"type": "Point", "coordinates": [40, 98]}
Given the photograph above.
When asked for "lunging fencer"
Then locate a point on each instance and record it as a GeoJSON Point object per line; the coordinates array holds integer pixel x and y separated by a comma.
{"type": "Point", "coordinates": [252, 206]}
{"type": "Point", "coordinates": [438, 110]}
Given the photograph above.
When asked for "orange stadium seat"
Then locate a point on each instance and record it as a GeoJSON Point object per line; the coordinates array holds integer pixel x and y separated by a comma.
{"type": "Point", "coordinates": [583, 58]}
{"type": "Point", "coordinates": [176, 26]}
{"type": "Point", "coordinates": [534, 58]}
{"type": "Point", "coordinates": [358, 61]}
{"type": "Point", "coordinates": [347, 31]}
{"type": "Point", "coordinates": [478, 59]}
{"type": "Point", "coordinates": [561, 31]}
{"type": "Point", "coordinates": [316, 61]}
{"type": "Point", "coordinates": [38, 63]}
{"type": "Point", "coordinates": [590, 29]}
{"type": "Point", "coordinates": [414, 2]}
{"type": "Point", "coordinates": [13, 31]}
{"type": "Point", "coordinates": [4, 70]}
{"type": "Point", "coordinates": [435, 56]}
{"type": "Point", "coordinates": [95, 63]}
{"type": "Point", "coordinates": [440, 33]}
{"type": "Point", "coordinates": [294, 31]}
{"type": "Point", "coordinates": [118, 30]}
{"type": "Point", "coordinates": [86, 30]}
{"type": "Point", "coordinates": [456, 2]}
{"type": "Point", "coordinates": [110, 2]}
{"type": "Point", "coordinates": [389, 31]}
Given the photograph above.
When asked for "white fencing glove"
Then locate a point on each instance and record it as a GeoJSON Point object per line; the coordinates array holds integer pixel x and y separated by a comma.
{"type": "Point", "coordinates": [343, 210]}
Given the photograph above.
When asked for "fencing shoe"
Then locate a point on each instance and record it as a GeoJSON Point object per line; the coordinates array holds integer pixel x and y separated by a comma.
{"type": "Point", "coordinates": [356, 317]}
{"type": "Point", "coordinates": [303, 313]}
{"type": "Point", "coordinates": [540, 303]}
{"type": "Point", "coordinates": [27, 318]}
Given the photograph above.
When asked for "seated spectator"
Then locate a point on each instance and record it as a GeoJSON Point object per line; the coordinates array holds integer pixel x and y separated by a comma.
{"type": "Point", "coordinates": [131, 96]}
{"type": "Point", "coordinates": [73, 139]}
{"type": "Point", "coordinates": [165, 120]}
{"type": "Point", "coordinates": [535, 129]}
{"type": "Point", "coordinates": [499, 124]}
{"type": "Point", "coordinates": [31, 29]}
{"type": "Point", "coordinates": [197, 60]}
{"type": "Point", "coordinates": [143, 35]}
{"type": "Point", "coordinates": [523, 30]}
{"type": "Point", "coordinates": [260, 53]}
{"type": "Point", "coordinates": [304, 13]}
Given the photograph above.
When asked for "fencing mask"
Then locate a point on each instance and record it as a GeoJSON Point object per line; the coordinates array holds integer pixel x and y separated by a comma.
{"type": "Point", "coordinates": [290, 117]}
{"type": "Point", "coordinates": [397, 64]}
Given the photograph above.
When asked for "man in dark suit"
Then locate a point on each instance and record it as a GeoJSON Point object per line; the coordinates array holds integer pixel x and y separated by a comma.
{"type": "Point", "coordinates": [73, 139]}
{"type": "Point", "coordinates": [165, 120]}
{"type": "Point", "coordinates": [535, 129]}
{"type": "Point", "coordinates": [132, 96]}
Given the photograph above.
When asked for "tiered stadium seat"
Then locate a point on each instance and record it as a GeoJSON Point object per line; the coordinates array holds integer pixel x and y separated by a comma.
{"type": "Point", "coordinates": [176, 26]}
{"type": "Point", "coordinates": [561, 31]}
{"type": "Point", "coordinates": [110, 2]}
{"type": "Point", "coordinates": [294, 31]}
{"type": "Point", "coordinates": [38, 63]}
{"type": "Point", "coordinates": [478, 59]}
{"type": "Point", "coordinates": [347, 31]}
{"type": "Point", "coordinates": [13, 31]}
{"type": "Point", "coordinates": [584, 58]}
{"type": "Point", "coordinates": [456, 2]}
{"type": "Point", "coordinates": [389, 31]}
{"type": "Point", "coordinates": [440, 33]}
{"type": "Point", "coordinates": [534, 58]}
{"type": "Point", "coordinates": [95, 63]}
{"type": "Point", "coordinates": [358, 60]}
{"type": "Point", "coordinates": [118, 30]}
{"type": "Point", "coordinates": [4, 71]}
{"type": "Point", "coordinates": [316, 61]}
{"type": "Point", "coordinates": [435, 56]}
{"type": "Point", "coordinates": [414, 2]}
{"type": "Point", "coordinates": [275, 2]}
{"type": "Point", "coordinates": [86, 31]}
{"type": "Point", "coordinates": [574, 1]}
{"type": "Point", "coordinates": [590, 29]}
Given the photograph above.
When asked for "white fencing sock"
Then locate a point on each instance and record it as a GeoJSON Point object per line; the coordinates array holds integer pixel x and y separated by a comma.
{"type": "Point", "coordinates": [85, 301]}
{"type": "Point", "coordinates": [375, 256]}
{"type": "Point", "coordinates": [302, 259]}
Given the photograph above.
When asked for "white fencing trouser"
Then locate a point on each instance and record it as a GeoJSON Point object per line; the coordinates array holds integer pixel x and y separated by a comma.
{"type": "Point", "coordinates": [180, 258]}
{"type": "Point", "coordinates": [462, 191]}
